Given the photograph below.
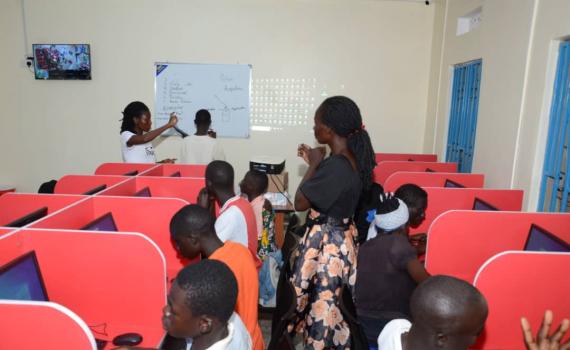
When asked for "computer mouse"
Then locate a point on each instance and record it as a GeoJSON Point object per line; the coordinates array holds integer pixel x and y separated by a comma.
{"type": "Point", "coordinates": [129, 339]}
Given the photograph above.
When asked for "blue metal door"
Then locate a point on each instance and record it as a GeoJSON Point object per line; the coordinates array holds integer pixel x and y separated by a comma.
{"type": "Point", "coordinates": [555, 182]}
{"type": "Point", "coordinates": [463, 115]}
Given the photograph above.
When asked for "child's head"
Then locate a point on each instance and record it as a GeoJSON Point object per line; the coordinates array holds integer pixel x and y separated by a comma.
{"type": "Point", "coordinates": [416, 200]}
{"type": "Point", "coordinates": [391, 214]}
{"type": "Point", "coordinates": [254, 184]}
{"type": "Point", "coordinates": [189, 227]}
{"type": "Point", "coordinates": [202, 299]}
{"type": "Point", "coordinates": [203, 119]}
{"type": "Point", "coordinates": [219, 176]}
{"type": "Point", "coordinates": [448, 313]}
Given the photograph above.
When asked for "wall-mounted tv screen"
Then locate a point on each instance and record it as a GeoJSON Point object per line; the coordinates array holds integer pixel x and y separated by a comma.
{"type": "Point", "coordinates": [62, 61]}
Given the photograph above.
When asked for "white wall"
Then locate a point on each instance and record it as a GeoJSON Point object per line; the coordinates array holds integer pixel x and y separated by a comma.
{"type": "Point", "coordinates": [551, 26]}
{"type": "Point", "coordinates": [377, 52]}
{"type": "Point", "coordinates": [517, 41]}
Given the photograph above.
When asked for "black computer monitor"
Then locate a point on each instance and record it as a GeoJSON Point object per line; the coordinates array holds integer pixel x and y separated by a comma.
{"type": "Point", "coordinates": [131, 173]}
{"type": "Point", "coordinates": [479, 204]}
{"type": "Point", "coordinates": [95, 190]}
{"type": "Point", "coordinates": [429, 170]}
{"type": "Point", "coordinates": [103, 223]}
{"type": "Point", "coordinates": [145, 192]}
{"type": "Point", "coordinates": [452, 184]}
{"type": "Point", "coordinates": [21, 279]}
{"type": "Point", "coordinates": [29, 218]}
{"type": "Point", "coordinates": [176, 174]}
{"type": "Point", "coordinates": [543, 241]}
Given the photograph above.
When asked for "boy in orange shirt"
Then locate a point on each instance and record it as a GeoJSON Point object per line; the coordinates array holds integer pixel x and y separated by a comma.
{"type": "Point", "coordinates": [192, 230]}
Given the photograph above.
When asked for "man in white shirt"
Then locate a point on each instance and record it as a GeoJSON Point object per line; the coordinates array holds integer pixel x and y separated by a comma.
{"type": "Point", "coordinates": [202, 147]}
{"type": "Point", "coordinates": [448, 313]}
{"type": "Point", "coordinates": [236, 221]}
{"type": "Point", "coordinates": [200, 309]}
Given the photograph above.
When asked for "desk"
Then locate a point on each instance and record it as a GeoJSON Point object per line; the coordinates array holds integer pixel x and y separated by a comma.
{"type": "Point", "coordinates": [280, 211]}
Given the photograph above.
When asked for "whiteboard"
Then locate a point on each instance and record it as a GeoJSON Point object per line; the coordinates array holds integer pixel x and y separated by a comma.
{"type": "Point", "coordinates": [222, 89]}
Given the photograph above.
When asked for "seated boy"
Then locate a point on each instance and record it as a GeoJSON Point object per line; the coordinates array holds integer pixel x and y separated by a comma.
{"type": "Point", "coordinates": [448, 313]}
{"type": "Point", "coordinates": [192, 230]}
{"type": "Point", "coordinates": [416, 200]}
{"type": "Point", "coordinates": [236, 221]}
{"type": "Point", "coordinates": [200, 308]}
{"type": "Point", "coordinates": [388, 269]}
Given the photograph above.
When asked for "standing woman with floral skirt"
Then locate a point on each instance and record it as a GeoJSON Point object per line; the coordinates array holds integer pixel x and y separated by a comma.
{"type": "Point", "coordinates": [331, 187]}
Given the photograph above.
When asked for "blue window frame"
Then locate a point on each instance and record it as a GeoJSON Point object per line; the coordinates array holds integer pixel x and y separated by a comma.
{"type": "Point", "coordinates": [463, 114]}
{"type": "Point", "coordinates": [555, 182]}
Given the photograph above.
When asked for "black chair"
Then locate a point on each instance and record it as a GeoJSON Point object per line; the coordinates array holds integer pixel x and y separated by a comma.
{"type": "Point", "coordinates": [290, 244]}
{"type": "Point", "coordinates": [286, 302]}
{"type": "Point", "coordinates": [358, 339]}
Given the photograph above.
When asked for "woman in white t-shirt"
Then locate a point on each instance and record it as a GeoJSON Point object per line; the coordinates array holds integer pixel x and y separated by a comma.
{"type": "Point", "coordinates": [136, 136]}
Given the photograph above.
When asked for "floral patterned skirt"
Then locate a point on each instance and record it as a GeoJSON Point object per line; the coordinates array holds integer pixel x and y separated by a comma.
{"type": "Point", "coordinates": [324, 263]}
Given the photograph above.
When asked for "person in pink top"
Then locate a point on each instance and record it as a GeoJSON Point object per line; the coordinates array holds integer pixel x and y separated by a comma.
{"type": "Point", "coordinates": [254, 185]}
{"type": "Point", "coordinates": [236, 221]}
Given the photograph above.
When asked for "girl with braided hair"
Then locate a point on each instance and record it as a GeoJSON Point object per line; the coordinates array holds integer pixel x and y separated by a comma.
{"type": "Point", "coordinates": [331, 187]}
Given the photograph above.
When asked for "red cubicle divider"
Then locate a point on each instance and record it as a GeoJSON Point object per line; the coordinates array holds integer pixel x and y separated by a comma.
{"type": "Point", "coordinates": [384, 169]}
{"type": "Point", "coordinates": [16, 205]}
{"type": "Point", "coordinates": [406, 157]}
{"type": "Point", "coordinates": [29, 325]}
{"type": "Point", "coordinates": [186, 188]}
{"type": "Point", "coordinates": [184, 170]}
{"type": "Point", "coordinates": [115, 282]}
{"type": "Point", "coordinates": [79, 184]}
{"type": "Point", "coordinates": [442, 199]}
{"type": "Point", "coordinates": [518, 284]}
{"type": "Point", "coordinates": [459, 241]}
{"type": "Point", "coordinates": [123, 168]}
{"type": "Point", "coordinates": [5, 230]}
{"type": "Point", "coordinates": [149, 216]}
{"type": "Point", "coordinates": [427, 179]}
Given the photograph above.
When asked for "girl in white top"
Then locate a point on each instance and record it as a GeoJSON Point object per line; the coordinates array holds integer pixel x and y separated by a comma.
{"type": "Point", "coordinates": [136, 135]}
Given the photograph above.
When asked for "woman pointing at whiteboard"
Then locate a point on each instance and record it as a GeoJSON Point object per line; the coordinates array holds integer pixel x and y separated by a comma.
{"type": "Point", "coordinates": [136, 136]}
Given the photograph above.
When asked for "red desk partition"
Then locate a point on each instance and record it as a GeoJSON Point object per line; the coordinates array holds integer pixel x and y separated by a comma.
{"type": "Point", "coordinates": [441, 200]}
{"type": "Point", "coordinates": [15, 205]}
{"type": "Point", "coordinates": [459, 241]}
{"type": "Point", "coordinates": [123, 168]}
{"type": "Point", "coordinates": [183, 170]}
{"type": "Point", "coordinates": [29, 325]}
{"type": "Point", "coordinates": [518, 284]}
{"type": "Point", "coordinates": [79, 184]}
{"type": "Point", "coordinates": [115, 282]}
{"type": "Point", "coordinates": [427, 179]}
{"type": "Point", "coordinates": [384, 169]}
{"type": "Point", "coordinates": [149, 216]}
{"type": "Point", "coordinates": [5, 230]}
{"type": "Point", "coordinates": [186, 188]}
{"type": "Point", "coordinates": [406, 157]}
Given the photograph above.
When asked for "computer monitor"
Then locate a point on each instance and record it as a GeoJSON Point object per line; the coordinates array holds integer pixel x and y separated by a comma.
{"type": "Point", "coordinates": [21, 279]}
{"type": "Point", "coordinates": [103, 223]}
{"type": "Point", "coordinates": [29, 218]}
{"type": "Point", "coordinates": [429, 170]}
{"type": "Point", "coordinates": [176, 174]}
{"type": "Point", "coordinates": [452, 184]}
{"type": "Point", "coordinates": [479, 204]}
{"type": "Point", "coordinates": [95, 190]}
{"type": "Point", "coordinates": [145, 192]}
{"type": "Point", "coordinates": [131, 173]}
{"type": "Point", "coordinates": [541, 240]}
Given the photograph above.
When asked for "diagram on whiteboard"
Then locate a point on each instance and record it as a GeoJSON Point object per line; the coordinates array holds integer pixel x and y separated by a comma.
{"type": "Point", "coordinates": [223, 90]}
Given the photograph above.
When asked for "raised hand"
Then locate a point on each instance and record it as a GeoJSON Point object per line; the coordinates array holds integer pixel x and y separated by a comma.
{"type": "Point", "coordinates": [543, 341]}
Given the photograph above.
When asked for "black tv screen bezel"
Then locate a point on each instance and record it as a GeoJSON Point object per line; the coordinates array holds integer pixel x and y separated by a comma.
{"type": "Point", "coordinates": [75, 77]}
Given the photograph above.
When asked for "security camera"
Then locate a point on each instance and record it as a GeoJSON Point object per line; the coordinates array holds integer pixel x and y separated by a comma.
{"type": "Point", "coordinates": [427, 2]}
